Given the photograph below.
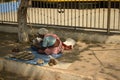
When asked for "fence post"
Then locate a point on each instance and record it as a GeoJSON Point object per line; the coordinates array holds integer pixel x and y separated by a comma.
{"type": "Point", "coordinates": [108, 16]}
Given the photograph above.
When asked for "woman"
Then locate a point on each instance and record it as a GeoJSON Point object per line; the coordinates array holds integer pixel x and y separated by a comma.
{"type": "Point", "coordinates": [50, 43]}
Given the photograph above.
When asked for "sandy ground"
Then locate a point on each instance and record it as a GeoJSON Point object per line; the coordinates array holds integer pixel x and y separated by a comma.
{"type": "Point", "coordinates": [101, 61]}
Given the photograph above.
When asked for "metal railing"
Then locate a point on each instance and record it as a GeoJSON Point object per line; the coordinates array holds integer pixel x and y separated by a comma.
{"type": "Point", "coordinates": [86, 14]}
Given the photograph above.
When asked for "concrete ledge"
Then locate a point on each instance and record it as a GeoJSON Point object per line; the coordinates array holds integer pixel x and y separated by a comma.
{"type": "Point", "coordinates": [38, 72]}
{"type": "Point", "coordinates": [82, 35]}
{"type": "Point", "coordinates": [8, 28]}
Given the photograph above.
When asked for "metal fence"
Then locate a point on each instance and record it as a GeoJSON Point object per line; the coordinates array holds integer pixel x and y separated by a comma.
{"type": "Point", "coordinates": [86, 14]}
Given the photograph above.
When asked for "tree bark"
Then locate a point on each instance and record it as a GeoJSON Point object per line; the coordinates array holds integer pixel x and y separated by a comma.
{"type": "Point", "coordinates": [22, 21]}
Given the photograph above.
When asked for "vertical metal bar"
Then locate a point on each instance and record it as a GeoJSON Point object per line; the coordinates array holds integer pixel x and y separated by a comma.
{"type": "Point", "coordinates": [79, 8]}
{"type": "Point", "coordinates": [86, 6]}
{"type": "Point", "coordinates": [28, 16]}
{"type": "Point", "coordinates": [7, 9]}
{"type": "Point", "coordinates": [64, 11]}
{"type": "Point", "coordinates": [119, 17]}
{"type": "Point", "coordinates": [103, 14]}
{"type": "Point", "coordinates": [83, 14]}
{"type": "Point", "coordinates": [51, 10]}
{"type": "Point", "coordinates": [75, 13]}
{"type": "Point", "coordinates": [71, 12]}
{"type": "Point", "coordinates": [54, 12]}
{"type": "Point", "coordinates": [2, 15]}
{"type": "Point", "coordinates": [50, 14]}
{"type": "Point", "coordinates": [95, 13]}
{"type": "Point", "coordinates": [12, 16]}
{"type": "Point", "coordinates": [57, 10]}
{"type": "Point", "coordinates": [114, 14]}
{"type": "Point", "coordinates": [6, 13]}
{"type": "Point", "coordinates": [41, 12]}
{"type": "Point", "coordinates": [67, 17]}
{"type": "Point", "coordinates": [39, 9]}
{"type": "Point", "coordinates": [99, 14]}
{"type": "Point", "coordinates": [60, 14]}
{"type": "Point", "coordinates": [52, 5]}
{"type": "Point", "coordinates": [32, 12]}
{"type": "Point", "coordinates": [44, 11]}
{"type": "Point", "coordinates": [17, 9]}
{"type": "Point", "coordinates": [47, 8]}
{"type": "Point", "coordinates": [14, 6]}
{"type": "Point", "coordinates": [46, 14]}
{"type": "Point", "coordinates": [37, 12]}
{"type": "Point", "coordinates": [108, 16]}
{"type": "Point", "coordinates": [91, 9]}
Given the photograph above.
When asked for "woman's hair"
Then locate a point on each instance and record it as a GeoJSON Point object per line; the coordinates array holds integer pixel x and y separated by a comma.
{"type": "Point", "coordinates": [42, 31]}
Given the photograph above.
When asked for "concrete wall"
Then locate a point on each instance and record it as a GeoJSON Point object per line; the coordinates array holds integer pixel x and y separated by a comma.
{"type": "Point", "coordinates": [8, 28]}
{"type": "Point", "coordinates": [38, 72]}
{"type": "Point", "coordinates": [93, 36]}
{"type": "Point", "coordinates": [62, 32]}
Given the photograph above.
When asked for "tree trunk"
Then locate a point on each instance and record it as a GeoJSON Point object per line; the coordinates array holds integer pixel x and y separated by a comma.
{"type": "Point", "coordinates": [22, 21]}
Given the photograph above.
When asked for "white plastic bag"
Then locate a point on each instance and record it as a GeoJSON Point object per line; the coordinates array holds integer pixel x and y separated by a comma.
{"type": "Point", "coordinates": [70, 41]}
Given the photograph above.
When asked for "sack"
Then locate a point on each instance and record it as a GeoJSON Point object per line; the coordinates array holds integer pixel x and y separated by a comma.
{"type": "Point", "coordinates": [69, 42]}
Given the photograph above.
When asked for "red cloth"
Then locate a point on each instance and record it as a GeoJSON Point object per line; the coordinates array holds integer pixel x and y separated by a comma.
{"type": "Point", "coordinates": [66, 47]}
{"type": "Point", "coordinates": [59, 48]}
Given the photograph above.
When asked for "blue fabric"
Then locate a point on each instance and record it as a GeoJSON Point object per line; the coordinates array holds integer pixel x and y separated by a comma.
{"type": "Point", "coordinates": [44, 57]}
{"type": "Point", "coordinates": [9, 6]}
{"type": "Point", "coordinates": [34, 48]}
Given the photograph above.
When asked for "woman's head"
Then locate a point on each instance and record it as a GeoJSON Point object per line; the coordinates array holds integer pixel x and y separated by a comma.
{"type": "Point", "coordinates": [42, 31]}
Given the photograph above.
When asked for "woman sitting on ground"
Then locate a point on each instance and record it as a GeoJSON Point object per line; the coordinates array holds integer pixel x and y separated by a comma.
{"type": "Point", "coordinates": [50, 43]}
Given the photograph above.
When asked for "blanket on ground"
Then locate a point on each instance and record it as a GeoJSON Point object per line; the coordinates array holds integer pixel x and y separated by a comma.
{"type": "Point", "coordinates": [44, 57]}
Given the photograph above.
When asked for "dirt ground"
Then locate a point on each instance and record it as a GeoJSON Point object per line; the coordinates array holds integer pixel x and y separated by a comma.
{"type": "Point", "coordinates": [8, 41]}
{"type": "Point", "coordinates": [101, 61]}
